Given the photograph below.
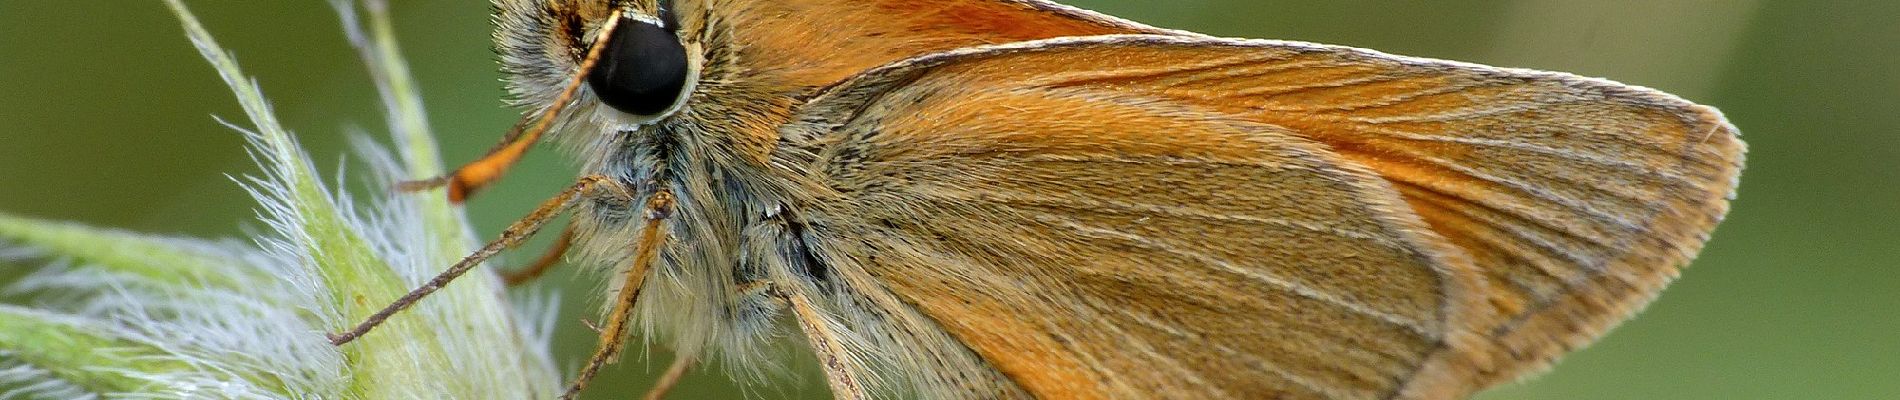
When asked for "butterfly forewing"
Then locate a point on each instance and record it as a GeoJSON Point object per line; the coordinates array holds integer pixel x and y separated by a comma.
{"type": "Point", "coordinates": [1150, 216]}
{"type": "Point", "coordinates": [1576, 198]}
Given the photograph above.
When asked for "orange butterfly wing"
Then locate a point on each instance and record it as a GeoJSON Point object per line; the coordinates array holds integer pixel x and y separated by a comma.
{"type": "Point", "coordinates": [1181, 217]}
{"type": "Point", "coordinates": [780, 42]}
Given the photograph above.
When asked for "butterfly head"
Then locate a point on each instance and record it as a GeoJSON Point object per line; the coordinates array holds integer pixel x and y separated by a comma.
{"type": "Point", "coordinates": [635, 60]}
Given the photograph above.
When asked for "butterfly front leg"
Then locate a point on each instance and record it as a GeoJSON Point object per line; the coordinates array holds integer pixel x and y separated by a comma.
{"type": "Point", "coordinates": [827, 344]}
{"type": "Point", "coordinates": [659, 208]}
{"type": "Point", "coordinates": [792, 278]}
{"type": "Point", "coordinates": [664, 385]}
{"type": "Point", "coordinates": [589, 187]}
{"type": "Point", "coordinates": [540, 266]}
{"type": "Point", "coordinates": [825, 341]}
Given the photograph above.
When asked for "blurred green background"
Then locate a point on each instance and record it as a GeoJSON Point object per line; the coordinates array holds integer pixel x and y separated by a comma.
{"type": "Point", "coordinates": [105, 118]}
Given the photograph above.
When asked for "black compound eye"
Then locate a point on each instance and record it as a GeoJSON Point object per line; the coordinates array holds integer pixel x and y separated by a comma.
{"type": "Point", "coordinates": [643, 69]}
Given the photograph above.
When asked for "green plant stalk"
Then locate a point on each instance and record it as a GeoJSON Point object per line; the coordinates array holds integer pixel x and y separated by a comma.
{"type": "Point", "coordinates": [77, 354]}
{"type": "Point", "coordinates": [186, 319]}
{"type": "Point", "coordinates": [151, 258]}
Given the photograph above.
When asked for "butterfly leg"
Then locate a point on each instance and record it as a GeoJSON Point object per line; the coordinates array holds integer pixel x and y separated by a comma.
{"type": "Point", "coordinates": [588, 187]}
{"type": "Point", "coordinates": [788, 283]}
{"type": "Point", "coordinates": [542, 265]}
{"type": "Point", "coordinates": [613, 334]}
{"type": "Point", "coordinates": [845, 383]}
{"type": "Point", "coordinates": [681, 364]}
{"type": "Point", "coordinates": [684, 363]}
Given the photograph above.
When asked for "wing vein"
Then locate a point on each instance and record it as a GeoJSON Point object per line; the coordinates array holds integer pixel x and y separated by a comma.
{"type": "Point", "coordinates": [1152, 209]}
{"type": "Point", "coordinates": [1295, 288]}
{"type": "Point", "coordinates": [1536, 193]}
{"type": "Point", "coordinates": [1190, 374]}
{"type": "Point", "coordinates": [1625, 165]}
{"type": "Point", "coordinates": [1259, 363]}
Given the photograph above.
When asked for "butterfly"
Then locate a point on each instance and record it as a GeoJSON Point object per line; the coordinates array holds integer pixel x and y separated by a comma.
{"type": "Point", "coordinates": [1020, 199]}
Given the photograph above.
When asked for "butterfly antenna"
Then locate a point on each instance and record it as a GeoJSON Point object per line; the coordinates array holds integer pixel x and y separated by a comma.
{"type": "Point", "coordinates": [488, 169]}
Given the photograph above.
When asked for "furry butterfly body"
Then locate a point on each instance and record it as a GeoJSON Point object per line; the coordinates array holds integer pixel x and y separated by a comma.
{"type": "Point", "coordinates": [1018, 199]}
